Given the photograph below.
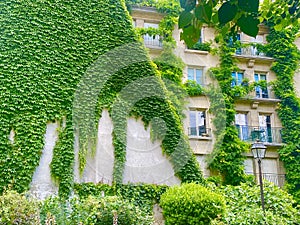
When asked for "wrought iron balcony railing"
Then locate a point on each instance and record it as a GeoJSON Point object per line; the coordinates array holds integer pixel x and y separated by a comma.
{"type": "Point", "coordinates": [200, 131]}
{"type": "Point", "coordinates": [277, 179]}
{"type": "Point", "coordinates": [249, 51]}
{"type": "Point", "coordinates": [264, 134]}
{"type": "Point", "coordinates": [152, 41]}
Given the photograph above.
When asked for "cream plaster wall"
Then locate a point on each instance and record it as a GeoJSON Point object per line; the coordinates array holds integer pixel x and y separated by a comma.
{"type": "Point", "coordinates": [202, 146]}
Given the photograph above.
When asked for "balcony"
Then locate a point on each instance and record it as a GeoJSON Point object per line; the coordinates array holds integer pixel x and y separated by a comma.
{"type": "Point", "coordinates": [153, 41]}
{"type": "Point", "coordinates": [277, 179]}
{"type": "Point", "coordinates": [249, 51]}
{"type": "Point", "coordinates": [271, 135]}
{"type": "Point", "coordinates": [199, 132]}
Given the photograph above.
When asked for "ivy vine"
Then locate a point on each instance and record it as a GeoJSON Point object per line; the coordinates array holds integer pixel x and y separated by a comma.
{"type": "Point", "coordinates": [227, 158]}
{"type": "Point", "coordinates": [46, 49]}
{"type": "Point", "coordinates": [282, 48]}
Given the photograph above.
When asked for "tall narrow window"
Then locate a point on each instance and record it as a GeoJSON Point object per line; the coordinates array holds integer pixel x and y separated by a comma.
{"type": "Point", "coordinates": [241, 123]}
{"type": "Point", "coordinates": [237, 78]}
{"type": "Point", "coordinates": [238, 50]}
{"type": "Point", "coordinates": [197, 123]}
{"type": "Point", "coordinates": [196, 74]}
{"type": "Point", "coordinates": [265, 128]}
{"type": "Point", "coordinates": [261, 92]}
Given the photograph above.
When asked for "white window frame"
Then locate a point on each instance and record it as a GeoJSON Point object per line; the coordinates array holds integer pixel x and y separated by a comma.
{"type": "Point", "coordinates": [242, 125]}
{"type": "Point", "coordinates": [194, 68]}
{"type": "Point", "coordinates": [235, 79]}
{"type": "Point", "coordinates": [258, 90]}
{"type": "Point", "coordinates": [198, 128]}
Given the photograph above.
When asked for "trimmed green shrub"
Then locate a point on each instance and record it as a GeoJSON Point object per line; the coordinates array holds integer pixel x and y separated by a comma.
{"type": "Point", "coordinates": [18, 209]}
{"type": "Point", "coordinates": [191, 204]}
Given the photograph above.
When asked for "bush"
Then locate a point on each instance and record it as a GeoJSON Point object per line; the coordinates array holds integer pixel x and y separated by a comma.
{"type": "Point", "coordinates": [192, 88]}
{"type": "Point", "coordinates": [16, 208]}
{"type": "Point", "coordinates": [54, 210]}
{"type": "Point", "coordinates": [191, 204]}
{"type": "Point", "coordinates": [101, 211]}
{"type": "Point", "coordinates": [92, 211]}
{"type": "Point", "coordinates": [202, 46]}
{"type": "Point", "coordinates": [244, 206]}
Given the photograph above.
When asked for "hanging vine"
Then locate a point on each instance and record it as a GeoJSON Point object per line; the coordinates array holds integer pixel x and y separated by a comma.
{"type": "Point", "coordinates": [282, 48]}
{"type": "Point", "coordinates": [47, 47]}
{"type": "Point", "coordinates": [227, 158]}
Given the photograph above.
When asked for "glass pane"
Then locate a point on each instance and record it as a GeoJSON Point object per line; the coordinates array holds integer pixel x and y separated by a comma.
{"type": "Point", "coordinates": [240, 78]}
{"type": "Point", "coordinates": [262, 120]}
{"type": "Point", "coordinates": [201, 118]}
{"type": "Point", "coordinates": [264, 93]}
{"type": "Point", "coordinates": [263, 77]}
{"type": "Point", "coordinates": [153, 25]}
{"type": "Point", "coordinates": [193, 119]}
{"type": "Point", "coordinates": [233, 83]}
{"type": "Point", "coordinates": [199, 76]}
{"type": "Point", "coordinates": [256, 77]}
{"type": "Point", "coordinates": [190, 74]}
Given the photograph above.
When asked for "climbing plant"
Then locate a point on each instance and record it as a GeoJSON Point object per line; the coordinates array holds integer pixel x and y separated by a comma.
{"type": "Point", "coordinates": [48, 50]}
{"type": "Point", "coordinates": [226, 158]}
{"type": "Point", "coordinates": [282, 48]}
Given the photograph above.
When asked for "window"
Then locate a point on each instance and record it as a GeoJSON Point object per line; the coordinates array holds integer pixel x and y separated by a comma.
{"type": "Point", "coordinates": [152, 40]}
{"type": "Point", "coordinates": [241, 123]}
{"type": "Point", "coordinates": [265, 127]}
{"type": "Point", "coordinates": [264, 131]}
{"type": "Point", "coordinates": [197, 123]}
{"type": "Point", "coordinates": [237, 78]}
{"type": "Point", "coordinates": [261, 92]}
{"type": "Point", "coordinates": [196, 74]}
{"type": "Point", "coordinates": [238, 38]}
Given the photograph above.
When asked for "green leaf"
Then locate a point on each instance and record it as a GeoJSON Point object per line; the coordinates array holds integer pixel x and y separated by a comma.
{"type": "Point", "coordinates": [227, 12]}
{"type": "Point", "coordinates": [249, 25]}
{"type": "Point", "coordinates": [203, 13]}
{"type": "Point", "coordinates": [185, 19]}
{"type": "Point", "coordinates": [188, 5]}
{"type": "Point", "coordinates": [190, 35]}
{"type": "Point", "coordinates": [249, 5]}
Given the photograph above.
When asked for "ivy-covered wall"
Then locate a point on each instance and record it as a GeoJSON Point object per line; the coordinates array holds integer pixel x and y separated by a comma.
{"type": "Point", "coordinates": [281, 46]}
{"type": "Point", "coordinates": [47, 47]}
{"type": "Point", "coordinates": [227, 157]}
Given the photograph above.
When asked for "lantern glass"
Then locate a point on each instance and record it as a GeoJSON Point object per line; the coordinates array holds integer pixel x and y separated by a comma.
{"type": "Point", "coordinates": [258, 150]}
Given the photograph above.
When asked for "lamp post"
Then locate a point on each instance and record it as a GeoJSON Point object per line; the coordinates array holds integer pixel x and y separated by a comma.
{"type": "Point", "coordinates": [259, 151]}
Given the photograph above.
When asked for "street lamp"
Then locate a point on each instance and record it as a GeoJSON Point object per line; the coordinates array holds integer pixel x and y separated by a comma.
{"type": "Point", "coordinates": [259, 151]}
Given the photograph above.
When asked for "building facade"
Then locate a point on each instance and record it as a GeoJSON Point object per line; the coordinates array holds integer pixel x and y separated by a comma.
{"type": "Point", "coordinates": [256, 116]}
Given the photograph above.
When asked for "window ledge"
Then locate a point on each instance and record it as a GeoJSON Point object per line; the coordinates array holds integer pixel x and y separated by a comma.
{"type": "Point", "coordinates": [256, 57]}
{"type": "Point", "coordinates": [196, 51]}
{"type": "Point", "coordinates": [200, 137]}
{"type": "Point", "coordinates": [250, 98]}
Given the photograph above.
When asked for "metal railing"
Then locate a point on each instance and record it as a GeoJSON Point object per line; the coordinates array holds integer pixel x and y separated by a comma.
{"type": "Point", "coordinates": [264, 134]}
{"type": "Point", "coordinates": [153, 41]}
{"type": "Point", "coordinates": [263, 93]}
{"type": "Point", "coordinates": [249, 51]}
{"type": "Point", "coordinates": [200, 131]}
{"type": "Point", "coordinates": [277, 179]}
